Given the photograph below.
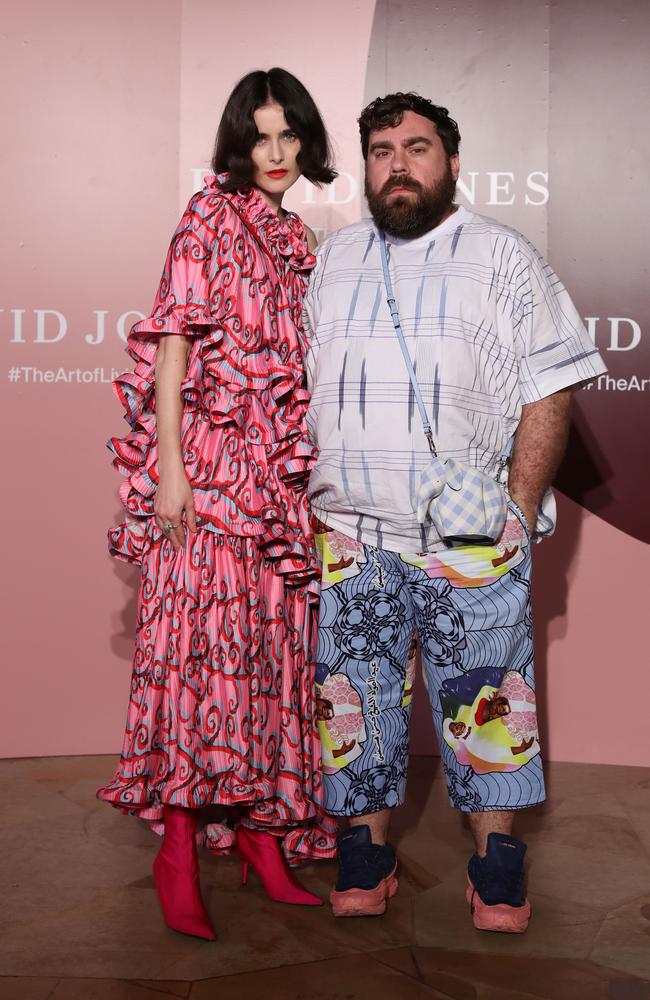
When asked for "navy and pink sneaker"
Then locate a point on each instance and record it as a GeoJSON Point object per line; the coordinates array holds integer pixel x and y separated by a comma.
{"type": "Point", "coordinates": [366, 875]}
{"type": "Point", "coordinates": [497, 886]}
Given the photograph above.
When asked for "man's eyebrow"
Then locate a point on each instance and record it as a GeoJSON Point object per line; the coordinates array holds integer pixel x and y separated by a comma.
{"type": "Point", "coordinates": [414, 140]}
{"type": "Point", "coordinates": [411, 141]}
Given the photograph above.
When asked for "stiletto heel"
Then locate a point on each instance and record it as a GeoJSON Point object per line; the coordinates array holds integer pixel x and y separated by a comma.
{"type": "Point", "coordinates": [244, 872]}
{"type": "Point", "coordinates": [176, 874]}
{"type": "Point", "coordinates": [262, 850]}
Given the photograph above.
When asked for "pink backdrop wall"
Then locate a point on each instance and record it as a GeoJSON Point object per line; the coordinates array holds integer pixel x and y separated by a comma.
{"type": "Point", "coordinates": [111, 132]}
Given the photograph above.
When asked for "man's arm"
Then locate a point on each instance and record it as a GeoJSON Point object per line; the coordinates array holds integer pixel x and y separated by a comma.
{"type": "Point", "coordinates": [540, 442]}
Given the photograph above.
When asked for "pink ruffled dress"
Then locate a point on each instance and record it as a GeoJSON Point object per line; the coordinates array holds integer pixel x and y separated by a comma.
{"type": "Point", "coordinates": [222, 706]}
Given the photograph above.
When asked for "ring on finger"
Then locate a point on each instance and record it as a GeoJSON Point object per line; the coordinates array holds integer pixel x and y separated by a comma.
{"type": "Point", "coordinates": [170, 527]}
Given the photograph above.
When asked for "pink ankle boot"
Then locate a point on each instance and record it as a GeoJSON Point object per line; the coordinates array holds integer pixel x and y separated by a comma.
{"type": "Point", "coordinates": [262, 850]}
{"type": "Point", "coordinates": [176, 874]}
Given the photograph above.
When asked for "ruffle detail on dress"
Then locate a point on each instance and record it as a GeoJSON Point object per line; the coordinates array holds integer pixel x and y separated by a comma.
{"type": "Point", "coordinates": [184, 319]}
{"type": "Point", "coordinates": [307, 834]}
{"type": "Point", "coordinates": [244, 441]}
{"type": "Point", "coordinates": [287, 238]}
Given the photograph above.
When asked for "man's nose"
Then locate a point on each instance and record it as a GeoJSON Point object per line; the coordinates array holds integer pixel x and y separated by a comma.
{"type": "Point", "coordinates": [399, 164]}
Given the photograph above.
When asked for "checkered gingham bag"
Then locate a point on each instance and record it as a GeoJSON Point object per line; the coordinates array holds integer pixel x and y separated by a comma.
{"type": "Point", "coordinates": [464, 504]}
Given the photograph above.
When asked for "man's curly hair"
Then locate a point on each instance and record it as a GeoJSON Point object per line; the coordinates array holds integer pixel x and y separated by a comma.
{"type": "Point", "coordinates": [387, 112]}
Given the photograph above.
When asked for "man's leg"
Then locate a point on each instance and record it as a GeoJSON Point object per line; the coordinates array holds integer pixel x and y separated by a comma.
{"type": "Point", "coordinates": [365, 629]}
{"type": "Point", "coordinates": [473, 618]}
{"type": "Point", "coordinates": [482, 824]}
{"type": "Point", "coordinates": [378, 824]}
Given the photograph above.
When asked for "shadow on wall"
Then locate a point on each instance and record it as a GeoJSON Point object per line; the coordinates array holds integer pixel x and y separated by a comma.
{"type": "Point", "coordinates": [585, 473]}
{"type": "Point", "coordinates": [584, 476]}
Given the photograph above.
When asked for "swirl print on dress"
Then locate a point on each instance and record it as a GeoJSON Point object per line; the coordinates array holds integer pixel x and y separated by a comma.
{"type": "Point", "coordinates": [469, 608]}
{"type": "Point", "coordinates": [222, 706]}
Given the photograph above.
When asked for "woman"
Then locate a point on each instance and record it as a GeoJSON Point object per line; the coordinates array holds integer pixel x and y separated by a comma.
{"type": "Point", "coordinates": [222, 704]}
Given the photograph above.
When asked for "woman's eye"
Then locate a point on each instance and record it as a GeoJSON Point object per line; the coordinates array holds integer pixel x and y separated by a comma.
{"type": "Point", "coordinates": [290, 136]}
{"type": "Point", "coordinates": [261, 139]}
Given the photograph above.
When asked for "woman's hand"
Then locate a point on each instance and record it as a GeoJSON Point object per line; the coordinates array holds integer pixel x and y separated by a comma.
{"type": "Point", "coordinates": [174, 498]}
{"type": "Point", "coordinates": [174, 504]}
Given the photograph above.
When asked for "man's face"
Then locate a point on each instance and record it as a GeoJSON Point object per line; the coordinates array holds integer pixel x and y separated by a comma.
{"type": "Point", "coordinates": [410, 180]}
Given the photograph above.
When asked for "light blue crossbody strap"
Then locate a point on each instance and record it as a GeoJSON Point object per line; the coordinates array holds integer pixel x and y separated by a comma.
{"type": "Point", "coordinates": [392, 305]}
{"type": "Point", "coordinates": [504, 459]}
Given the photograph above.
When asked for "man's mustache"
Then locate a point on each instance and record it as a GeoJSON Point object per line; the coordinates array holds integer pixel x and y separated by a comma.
{"type": "Point", "coordinates": [397, 182]}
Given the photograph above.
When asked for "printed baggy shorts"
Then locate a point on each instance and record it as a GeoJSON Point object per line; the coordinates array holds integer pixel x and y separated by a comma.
{"type": "Point", "coordinates": [468, 610]}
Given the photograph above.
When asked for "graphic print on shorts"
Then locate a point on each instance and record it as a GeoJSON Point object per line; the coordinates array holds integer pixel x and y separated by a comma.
{"type": "Point", "coordinates": [489, 719]}
{"type": "Point", "coordinates": [341, 557]}
{"type": "Point", "coordinates": [340, 719]}
{"type": "Point", "coordinates": [475, 565]}
{"type": "Point", "coordinates": [474, 633]}
{"type": "Point", "coordinates": [411, 670]}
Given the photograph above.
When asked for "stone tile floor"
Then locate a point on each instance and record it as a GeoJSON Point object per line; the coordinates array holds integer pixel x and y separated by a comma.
{"type": "Point", "coordinates": [80, 920]}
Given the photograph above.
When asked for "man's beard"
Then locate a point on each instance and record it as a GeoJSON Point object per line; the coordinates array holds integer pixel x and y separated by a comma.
{"type": "Point", "coordinates": [408, 218]}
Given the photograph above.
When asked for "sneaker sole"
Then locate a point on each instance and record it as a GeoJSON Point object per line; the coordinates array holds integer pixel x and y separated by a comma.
{"type": "Point", "coordinates": [499, 917]}
{"type": "Point", "coordinates": [364, 902]}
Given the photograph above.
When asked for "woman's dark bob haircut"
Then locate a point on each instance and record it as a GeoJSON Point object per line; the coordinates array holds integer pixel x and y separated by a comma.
{"type": "Point", "coordinates": [237, 133]}
{"type": "Point", "coordinates": [387, 112]}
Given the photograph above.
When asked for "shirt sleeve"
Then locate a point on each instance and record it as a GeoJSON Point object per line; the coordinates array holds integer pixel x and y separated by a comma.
{"type": "Point", "coordinates": [554, 348]}
{"type": "Point", "coordinates": [310, 315]}
{"type": "Point", "coordinates": [182, 303]}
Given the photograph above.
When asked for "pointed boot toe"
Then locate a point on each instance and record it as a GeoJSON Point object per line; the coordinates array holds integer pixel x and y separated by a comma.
{"type": "Point", "coordinates": [263, 851]}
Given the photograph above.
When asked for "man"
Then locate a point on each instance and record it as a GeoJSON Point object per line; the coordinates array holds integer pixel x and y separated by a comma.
{"type": "Point", "coordinates": [496, 344]}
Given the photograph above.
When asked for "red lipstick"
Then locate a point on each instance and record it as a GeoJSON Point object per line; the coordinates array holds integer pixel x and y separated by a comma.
{"type": "Point", "coordinates": [277, 175]}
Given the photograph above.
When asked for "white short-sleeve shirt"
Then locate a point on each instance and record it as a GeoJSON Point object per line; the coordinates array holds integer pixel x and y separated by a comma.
{"type": "Point", "coordinates": [489, 327]}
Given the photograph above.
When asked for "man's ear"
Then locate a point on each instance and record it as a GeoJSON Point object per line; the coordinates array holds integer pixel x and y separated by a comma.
{"type": "Point", "coordinates": [454, 163]}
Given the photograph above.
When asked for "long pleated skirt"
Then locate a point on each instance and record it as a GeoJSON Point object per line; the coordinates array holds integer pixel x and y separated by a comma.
{"type": "Point", "coordinates": [222, 703]}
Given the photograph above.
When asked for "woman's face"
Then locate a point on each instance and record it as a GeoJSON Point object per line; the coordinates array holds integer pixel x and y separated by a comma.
{"type": "Point", "coordinates": [275, 154]}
